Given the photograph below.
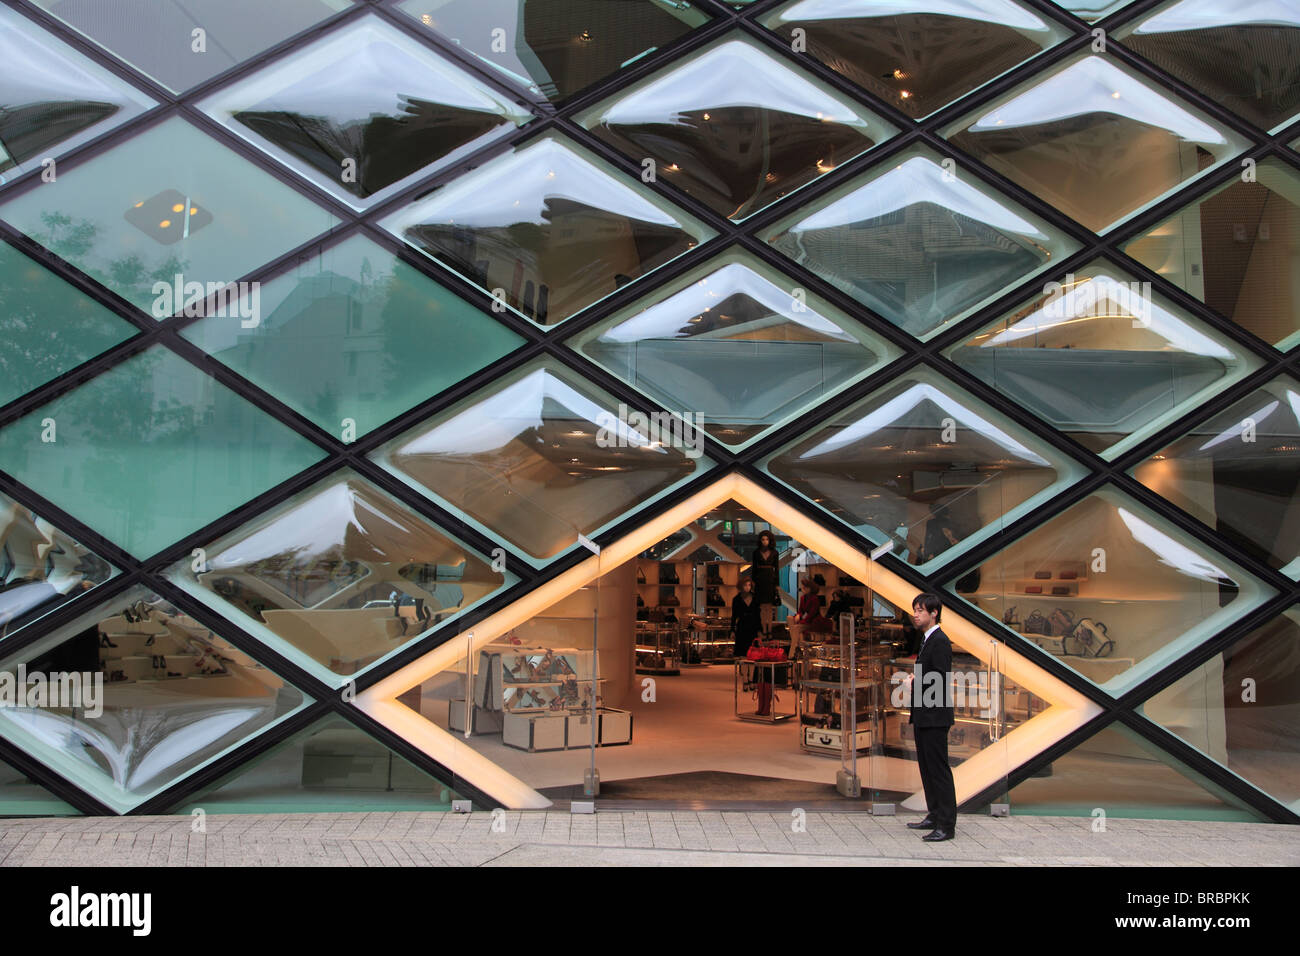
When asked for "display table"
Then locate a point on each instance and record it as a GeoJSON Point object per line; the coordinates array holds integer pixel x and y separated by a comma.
{"type": "Point", "coordinates": [751, 673]}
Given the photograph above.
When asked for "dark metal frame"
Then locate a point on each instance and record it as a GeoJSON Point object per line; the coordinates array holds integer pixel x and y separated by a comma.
{"type": "Point", "coordinates": [550, 344]}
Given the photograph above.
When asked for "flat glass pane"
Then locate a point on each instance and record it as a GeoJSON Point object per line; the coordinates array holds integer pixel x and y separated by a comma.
{"type": "Point", "coordinates": [41, 568]}
{"type": "Point", "coordinates": [21, 796]}
{"type": "Point", "coordinates": [158, 37]}
{"type": "Point", "coordinates": [331, 767]}
{"type": "Point", "coordinates": [734, 343]}
{"type": "Point", "coordinates": [917, 243]}
{"type": "Point", "coordinates": [48, 327]}
{"type": "Point", "coordinates": [542, 455]}
{"type": "Point", "coordinates": [548, 230]}
{"type": "Point", "coordinates": [736, 127]}
{"type": "Point", "coordinates": [1238, 251]}
{"type": "Point", "coordinates": [1094, 140]}
{"type": "Point", "coordinates": [150, 451]}
{"type": "Point", "coordinates": [340, 577]}
{"type": "Point", "coordinates": [1239, 473]}
{"type": "Point", "coordinates": [917, 57]}
{"type": "Point", "coordinates": [1102, 358]}
{"type": "Point", "coordinates": [170, 206]}
{"type": "Point", "coordinates": [556, 47]}
{"type": "Point", "coordinates": [922, 464]}
{"type": "Point", "coordinates": [364, 111]}
{"type": "Point", "coordinates": [1090, 11]}
{"type": "Point", "coordinates": [1124, 776]}
{"type": "Point", "coordinates": [1113, 590]}
{"type": "Point", "coordinates": [1245, 58]}
{"type": "Point", "coordinates": [53, 97]}
{"type": "Point", "coordinates": [156, 695]}
{"type": "Point", "coordinates": [1240, 708]}
{"type": "Point", "coordinates": [353, 337]}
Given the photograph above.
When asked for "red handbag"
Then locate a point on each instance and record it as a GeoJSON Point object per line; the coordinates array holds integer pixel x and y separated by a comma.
{"type": "Point", "coordinates": [758, 652]}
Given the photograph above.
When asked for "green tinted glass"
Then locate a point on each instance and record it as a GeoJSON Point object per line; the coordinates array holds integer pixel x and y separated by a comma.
{"type": "Point", "coordinates": [169, 208]}
{"type": "Point", "coordinates": [353, 337]}
{"type": "Point", "coordinates": [20, 796]}
{"type": "Point", "coordinates": [150, 451]}
{"type": "Point", "coordinates": [182, 44]}
{"type": "Point", "coordinates": [1235, 251]}
{"type": "Point", "coordinates": [47, 326]}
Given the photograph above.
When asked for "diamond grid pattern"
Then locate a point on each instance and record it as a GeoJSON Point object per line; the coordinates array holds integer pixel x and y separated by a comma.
{"type": "Point", "coordinates": [606, 87]}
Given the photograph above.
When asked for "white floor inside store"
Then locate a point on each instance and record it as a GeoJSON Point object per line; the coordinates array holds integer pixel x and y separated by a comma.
{"type": "Point", "coordinates": [690, 727]}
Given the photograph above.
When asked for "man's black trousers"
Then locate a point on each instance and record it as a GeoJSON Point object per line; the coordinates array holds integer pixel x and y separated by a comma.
{"type": "Point", "coordinates": [936, 776]}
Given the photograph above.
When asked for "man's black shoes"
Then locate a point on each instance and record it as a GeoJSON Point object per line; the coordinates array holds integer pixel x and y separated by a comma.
{"type": "Point", "coordinates": [926, 824]}
{"type": "Point", "coordinates": [938, 835]}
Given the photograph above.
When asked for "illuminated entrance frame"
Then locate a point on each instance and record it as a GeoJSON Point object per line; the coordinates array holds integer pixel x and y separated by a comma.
{"type": "Point", "coordinates": [1067, 711]}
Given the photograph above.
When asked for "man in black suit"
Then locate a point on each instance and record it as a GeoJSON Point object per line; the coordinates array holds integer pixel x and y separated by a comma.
{"type": "Point", "coordinates": [931, 686]}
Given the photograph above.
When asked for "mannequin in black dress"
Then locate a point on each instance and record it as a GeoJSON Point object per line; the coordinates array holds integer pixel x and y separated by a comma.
{"type": "Point", "coordinates": [745, 617]}
{"type": "Point", "coordinates": [763, 568]}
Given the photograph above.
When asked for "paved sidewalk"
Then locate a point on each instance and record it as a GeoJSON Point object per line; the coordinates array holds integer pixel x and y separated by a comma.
{"type": "Point", "coordinates": [617, 838]}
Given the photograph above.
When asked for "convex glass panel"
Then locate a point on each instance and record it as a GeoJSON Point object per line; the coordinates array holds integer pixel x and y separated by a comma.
{"type": "Point", "coordinates": [542, 456]}
{"type": "Point", "coordinates": [736, 127]}
{"type": "Point", "coordinates": [150, 451]}
{"type": "Point", "coordinates": [52, 98]}
{"type": "Point", "coordinates": [918, 242]}
{"type": "Point", "coordinates": [1239, 708]}
{"type": "Point", "coordinates": [41, 568]}
{"type": "Point", "coordinates": [1094, 140]}
{"type": "Point", "coordinates": [923, 465]}
{"type": "Point", "coordinates": [547, 230]}
{"type": "Point", "coordinates": [736, 344]}
{"type": "Point", "coordinates": [917, 57]}
{"type": "Point", "coordinates": [1113, 590]}
{"type": "Point", "coordinates": [1102, 358]}
{"type": "Point", "coordinates": [340, 577]}
{"type": "Point", "coordinates": [1237, 250]}
{"type": "Point", "coordinates": [1246, 58]}
{"type": "Point", "coordinates": [48, 327]}
{"type": "Point", "coordinates": [129, 699]}
{"type": "Point", "coordinates": [167, 219]}
{"type": "Point", "coordinates": [554, 48]}
{"type": "Point", "coordinates": [180, 44]}
{"type": "Point", "coordinates": [364, 110]}
{"type": "Point", "coordinates": [1239, 473]}
{"type": "Point", "coordinates": [353, 337]}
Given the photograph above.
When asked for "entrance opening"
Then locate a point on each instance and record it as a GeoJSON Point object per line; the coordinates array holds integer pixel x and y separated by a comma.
{"type": "Point", "coordinates": [685, 716]}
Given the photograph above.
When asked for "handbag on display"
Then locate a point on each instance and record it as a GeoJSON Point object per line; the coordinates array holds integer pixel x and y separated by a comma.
{"type": "Point", "coordinates": [1062, 623]}
{"type": "Point", "coordinates": [640, 575]}
{"type": "Point", "coordinates": [667, 574]}
{"type": "Point", "coordinates": [1090, 639]}
{"type": "Point", "coordinates": [1037, 624]}
{"type": "Point", "coordinates": [1010, 617]}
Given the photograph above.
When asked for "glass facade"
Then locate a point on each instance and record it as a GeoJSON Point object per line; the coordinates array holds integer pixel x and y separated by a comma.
{"type": "Point", "coordinates": [343, 340]}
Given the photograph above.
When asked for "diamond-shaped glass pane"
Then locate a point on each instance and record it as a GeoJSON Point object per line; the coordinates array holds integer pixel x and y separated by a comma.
{"type": "Point", "coordinates": [1235, 250]}
{"type": "Point", "coordinates": [340, 577]}
{"type": "Point", "coordinates": [331, 767]}
{"type": "Point", "coordinates": [734, 343]}
{"type": "Point", "coordinates": [170, 207]}
{"type": "Point", "coordinates": [919, 244]}
{"type": "Point", "coordinates": [1239, 473]}
{"type": "Point", "coordinates": [1094, 140]}
{"type": "Point", "coordinates": [1101, 358]}
{"type": "Point", "coordinates": [355, 334]}
{"type": "Point", "coordinates": [1113, 590]}
{"type": "Point", "coordinates": [547, 230]}
{"type": "Point", "coordinates": [1090, 11]}
{"type": "Point", "coordinates": [47, 326]}
{"type": "Point", "coordinates": [556, 47]}
{"type": "Point", "coordinates": [736, 127]}
{"type": "Point", "coordinates": [364, 111]}
{"type": "Point", "coordinates": [542, 456]}
{"type": "Point", "coordinates": [150, 451]}
{"type": "Point", "coordinates": [1128, 777]}
{"type": "Point", "coordinates": [41, 568]}
{"type": "Point", "coordinates": [180, 44]}
{"type": "Point", "coordinates": [1240, 708]}
{"type": "Point", "coordinates": [51, 97]}
{"type": "Point", "coordinates": [918, 57]}
{"type": "Point", "coordinates": [1246, 58]}
{"type": "Point", "coordinates": [130, 698]}
{"type": "Point", "coordinates": [924, 465]}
